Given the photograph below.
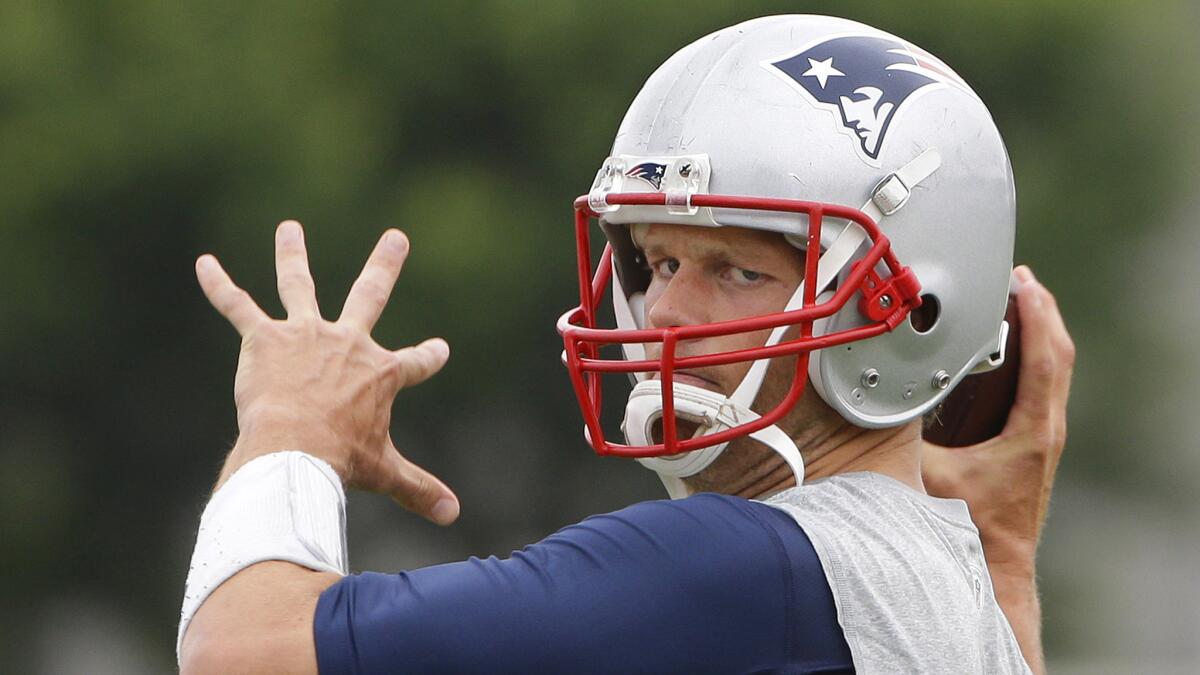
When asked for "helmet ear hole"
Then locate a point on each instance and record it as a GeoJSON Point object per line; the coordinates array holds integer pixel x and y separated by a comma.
{"type": "Point", "coordinates": [924, 318]}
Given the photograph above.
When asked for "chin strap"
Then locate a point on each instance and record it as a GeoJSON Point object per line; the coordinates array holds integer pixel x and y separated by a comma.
{"type": "Point", "coordinates": [713, 412]}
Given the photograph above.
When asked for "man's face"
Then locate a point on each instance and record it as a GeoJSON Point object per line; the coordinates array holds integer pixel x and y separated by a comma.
{"type": "Point", "coordinates": [706, 275]}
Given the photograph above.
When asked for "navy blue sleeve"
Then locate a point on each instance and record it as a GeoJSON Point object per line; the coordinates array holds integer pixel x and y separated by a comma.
{"type": "Point", "coordinates": [708, 584]}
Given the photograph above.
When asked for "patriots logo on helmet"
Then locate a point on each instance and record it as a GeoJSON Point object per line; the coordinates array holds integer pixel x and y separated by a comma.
{"type": "Point", "coordinates": [651, 172]}
{"type": "Point", "coordinates": [866, 79]}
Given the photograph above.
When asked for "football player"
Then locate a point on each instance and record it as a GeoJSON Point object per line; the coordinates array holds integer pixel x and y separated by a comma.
{"type": "Point", "coordinates": [809, 228]}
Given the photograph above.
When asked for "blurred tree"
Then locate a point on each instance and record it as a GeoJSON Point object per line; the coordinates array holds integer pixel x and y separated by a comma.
{"type": "Point", "coordinates": [136, 135]}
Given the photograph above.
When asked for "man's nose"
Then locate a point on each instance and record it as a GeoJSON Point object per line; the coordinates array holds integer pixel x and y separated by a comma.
{"type": "Point", "coordinates": [684, 302]}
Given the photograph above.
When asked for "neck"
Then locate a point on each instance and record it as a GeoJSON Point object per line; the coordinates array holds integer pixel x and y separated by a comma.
{"type": "Point", "coordinates": [843, 448]}
{"type": "Point", "coordinates": [892, 452]}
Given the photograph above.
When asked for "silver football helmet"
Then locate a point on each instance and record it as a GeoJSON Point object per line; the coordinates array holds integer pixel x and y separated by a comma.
{"type": "Point", "coordinates": [855, 145]}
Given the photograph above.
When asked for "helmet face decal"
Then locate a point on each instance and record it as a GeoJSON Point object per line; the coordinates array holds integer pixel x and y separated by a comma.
{"type": "Point", "coordinates": [651, 172]}
{"type": "Point", "coordinates": [864, 79]}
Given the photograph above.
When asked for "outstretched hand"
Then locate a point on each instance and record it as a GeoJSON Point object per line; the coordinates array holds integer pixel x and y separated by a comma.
{"type": "Point", "coordinates": [1006, 481]}
{"type": "Point", "coordinates": [327, 388]}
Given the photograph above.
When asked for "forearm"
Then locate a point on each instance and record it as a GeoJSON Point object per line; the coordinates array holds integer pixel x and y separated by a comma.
{"type": "Point", "coordinates": [1015, 586]}
{"type": "Point", "coordinates": [259, 620]}
{"type": "Point", "coordinates": [252, 587]}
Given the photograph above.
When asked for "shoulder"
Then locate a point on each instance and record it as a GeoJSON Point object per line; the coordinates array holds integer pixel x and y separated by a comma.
{"type": "Point", "coordinates": [871, 505]}
{"type": "Point", "coordinates": [891, 551]}
{"type": "Point", "coordinates": [756, 552]}
{"type": "Point", "coordinates": [709, 525]}
{"type": "Point", "coordinates": [859, 523]}
{"type": "Point", "coordinates": [707, 510]}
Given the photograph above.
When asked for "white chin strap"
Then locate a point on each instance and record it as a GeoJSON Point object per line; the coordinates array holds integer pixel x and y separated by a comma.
{"type": "Point", "coordinates": [712, 412]}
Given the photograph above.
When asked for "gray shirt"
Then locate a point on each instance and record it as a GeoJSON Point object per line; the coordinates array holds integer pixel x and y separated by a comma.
{"type": "Point", "coordinates": [908, 576]}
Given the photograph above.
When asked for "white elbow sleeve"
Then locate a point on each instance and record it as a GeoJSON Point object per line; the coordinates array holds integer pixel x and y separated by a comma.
{"type": "Point", "coordinates": [284, 506]}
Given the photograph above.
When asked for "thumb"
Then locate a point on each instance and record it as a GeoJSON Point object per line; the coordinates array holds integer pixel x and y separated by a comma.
{"type": "Point", "coordinates": [413, 365]}
{"type": "Point", "coordinates": [417, 490]}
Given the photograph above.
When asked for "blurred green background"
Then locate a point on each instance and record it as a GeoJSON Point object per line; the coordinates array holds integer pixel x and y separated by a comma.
{"type": "Point", "coordinates": [136, 135]}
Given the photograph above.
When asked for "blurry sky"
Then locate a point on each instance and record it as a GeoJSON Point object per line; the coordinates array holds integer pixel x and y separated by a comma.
{"type": "Point", "coordinates": [136, 135]}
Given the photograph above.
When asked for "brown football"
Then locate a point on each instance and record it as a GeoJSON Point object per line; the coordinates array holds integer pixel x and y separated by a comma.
{"type": "Point", "coordinates": [978, 407]}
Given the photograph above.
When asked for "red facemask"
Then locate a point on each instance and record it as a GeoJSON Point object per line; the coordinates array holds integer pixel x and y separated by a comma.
{"type": "Point", "coordinates": [885, 299]}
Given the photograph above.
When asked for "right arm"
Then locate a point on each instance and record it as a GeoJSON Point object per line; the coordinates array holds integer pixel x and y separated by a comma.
{"type": "Point", "coordinates": [323, 388]}
{"type": "Point", "coordinates": [1006, 481]}
{"type": "Point", "coordinates": [710, 584]}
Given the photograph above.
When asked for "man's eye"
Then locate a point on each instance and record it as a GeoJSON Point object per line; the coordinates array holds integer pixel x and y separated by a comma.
{"type": "Point", "coordinates": [666, 267]}
{"type": "Point", "coordinates": [744, 277]}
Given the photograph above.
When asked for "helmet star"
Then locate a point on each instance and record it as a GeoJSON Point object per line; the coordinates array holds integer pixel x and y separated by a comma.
{"type": "Point", "coordinates": [822, 70]}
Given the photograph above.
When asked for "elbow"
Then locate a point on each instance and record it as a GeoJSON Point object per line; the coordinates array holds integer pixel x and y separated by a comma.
{"type": "Point", "coordinates": [198, 657]}
{"type": "Point", "coordinates": [233, 659]}
{"type": "Point", "coordinates": [203, 654]}
{"type": "Point", "coordinates": [239, 648]}
{"type": "Point", "coordinates": [256, 622]}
